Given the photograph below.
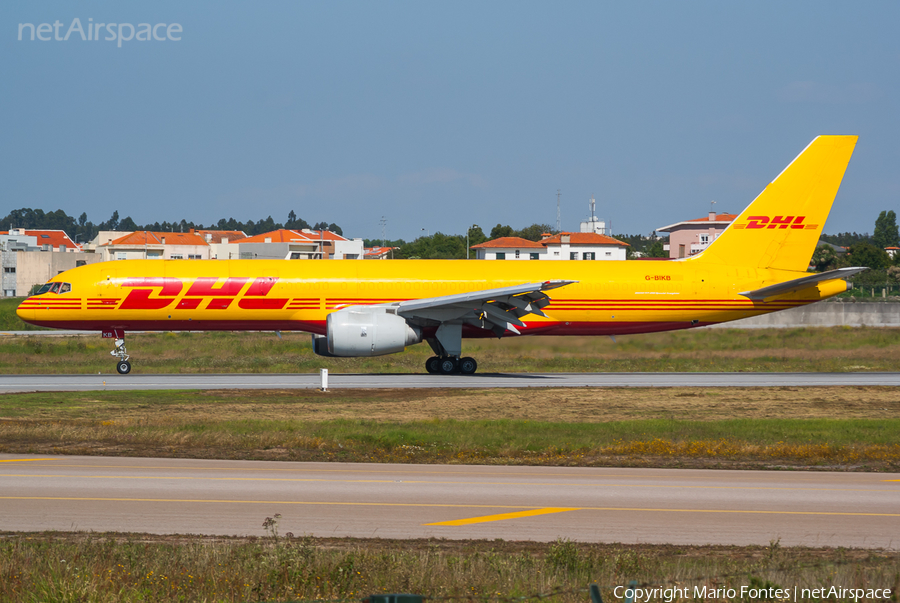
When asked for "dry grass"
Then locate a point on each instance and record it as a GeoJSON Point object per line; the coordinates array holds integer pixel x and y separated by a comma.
{"type": "Point", "coordinates": [844, 427]}
{"type": "Point", "coordinates": [569, 405]}
{"type": "Point", "coordinates": [98, 567]}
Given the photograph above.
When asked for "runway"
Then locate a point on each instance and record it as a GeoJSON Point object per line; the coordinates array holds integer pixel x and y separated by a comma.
{"type": "Point", "coordinates": [450, 501]}
{"type": "Point", "coordinates": [24, 383]}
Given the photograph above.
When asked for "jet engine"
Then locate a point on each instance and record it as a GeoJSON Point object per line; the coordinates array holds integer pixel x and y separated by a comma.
{"type": "Point", "coordinates": [364, 331]}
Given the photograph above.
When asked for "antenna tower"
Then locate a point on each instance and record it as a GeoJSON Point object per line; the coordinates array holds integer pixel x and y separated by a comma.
{"type": "Point", "coordinates": [557, 211]}
{"type": "Point", "coordinates": [383, 222]}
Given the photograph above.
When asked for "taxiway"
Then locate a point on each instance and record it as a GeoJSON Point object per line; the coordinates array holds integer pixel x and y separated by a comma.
{"type": "Point", "coordinates": [450, 501]}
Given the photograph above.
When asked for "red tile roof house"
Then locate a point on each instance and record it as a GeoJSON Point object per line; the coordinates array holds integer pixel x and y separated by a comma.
{"type": "Point", "coordinates": [291, 245]}
{"type": "Point", "coordinates": [45, 240]}
{"type": "Point", "coordinates": [693, 236]}
{"type": "Point", "coordinates": [379, 253]}
{"type": "Point", "coordinates": [563, 246]}
{"type": "Point", "coordinates": [143, 244]}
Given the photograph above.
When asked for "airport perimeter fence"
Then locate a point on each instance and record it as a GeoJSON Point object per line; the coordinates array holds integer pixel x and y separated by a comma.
{"type": "Point", "coordinates": [714, 589]}
{"type": "Point", "coordinates": [871, 291]}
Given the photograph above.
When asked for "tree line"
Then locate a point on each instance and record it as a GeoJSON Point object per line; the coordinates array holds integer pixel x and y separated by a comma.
{"type": "Point", "coordinates": [864, 250]}
{"type": "Point", "coordinates": [83, 230]}
{"type": "Point", "coordinates": [440, 246]}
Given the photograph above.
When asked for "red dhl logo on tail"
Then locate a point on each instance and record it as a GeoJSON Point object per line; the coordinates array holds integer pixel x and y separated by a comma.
{"type": "Point", "coordinates": [772, 222]}
{"type": "Point", "coordinates": [156, 293]}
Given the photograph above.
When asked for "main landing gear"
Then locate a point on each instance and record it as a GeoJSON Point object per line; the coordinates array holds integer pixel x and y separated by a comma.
{"type": "Point", "coordinates": [447, 346]}
{"type": "Point", "coordinates": [447, 365]}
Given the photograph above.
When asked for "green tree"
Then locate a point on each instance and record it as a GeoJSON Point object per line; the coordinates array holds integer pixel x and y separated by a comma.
{"type": "Point", "coordinates": [866, 254]}
{"type": "Point", "coordinates": [886, 233]}
{"type": "Point", "coordinates": [657, 250]}
{"type": "Point", "coordinates": [476, 236]}
{"type": "Point", "coordinates": [112, 223]}
{"type": "Point", "coordinates": [825, 258]}
{"type": "Point", "coordinates": [534, 232]}
{"type": "Point", "coordinates": [128, 224]}
{"type": "Point", "coordinates": [502, 231]}
{"type": "Point", "coordinates": [435, 247]}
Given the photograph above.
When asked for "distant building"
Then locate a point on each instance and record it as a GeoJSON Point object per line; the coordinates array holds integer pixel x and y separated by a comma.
{"type": "Point", "coordinates": [379, 253]}
{"type": "Point", "coordinates": [104, 237]}
{"type": "Point", "coordinates": [835, 248]}
{"type": "Point", "coordinates": [584, 246]}
{"type": "Point", "coordinates": [285, 244]}
{"type": "Point", "coordinates": [510, 248]}
{"type": "Point", "coordinates": [892, 251]}
{"type": "Point", "coordinates": [40, 240]}
{"type": "Point", "coordinates": [693, 236]}
{"type": "Point", "coordinates": [147, 245]}
{"type": "Point", "coordinates": [220, 236]}
{"type": "Point", "coordinates": [562, 246]}
{"type": "Point", "coordinates": [594, 224]}
{"type": "Point", "coordinates": [31, 257]}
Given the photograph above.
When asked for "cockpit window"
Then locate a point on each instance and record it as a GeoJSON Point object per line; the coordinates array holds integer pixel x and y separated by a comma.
{"type": "Point", "coordinates": [54, 288]}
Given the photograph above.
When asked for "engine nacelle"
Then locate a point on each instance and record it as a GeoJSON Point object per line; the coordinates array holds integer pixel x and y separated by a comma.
{"type": "Point", "coordinates": [364, 331]}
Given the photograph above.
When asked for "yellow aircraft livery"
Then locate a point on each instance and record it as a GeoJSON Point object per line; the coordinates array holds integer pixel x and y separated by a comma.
{"type": "Point", "coordinates": [369, 308]}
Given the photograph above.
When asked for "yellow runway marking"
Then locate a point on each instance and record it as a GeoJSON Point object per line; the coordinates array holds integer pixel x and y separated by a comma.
{"type": "Point", "coordinates": [23, 460]}
{"type": "Point", "coordinates": [502, 516]}
{"type": "Point", "coordinates": [437, 505]}
{"type": "Point", "coordinates": [592, 484]}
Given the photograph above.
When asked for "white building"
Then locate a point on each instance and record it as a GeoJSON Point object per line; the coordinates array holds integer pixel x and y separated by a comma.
{"type": "Point", "coordinates": [32, 257]}
{"type": "Point", "coordinates": [563, 246]}
{"type": "Point", "coordinates": [286, 244]}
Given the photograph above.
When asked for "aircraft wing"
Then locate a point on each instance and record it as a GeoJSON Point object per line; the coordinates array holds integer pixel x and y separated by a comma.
{"type": "Point", "coordinates": [800, 283]}
{"type": "Point", "coordinates": [496, 309]}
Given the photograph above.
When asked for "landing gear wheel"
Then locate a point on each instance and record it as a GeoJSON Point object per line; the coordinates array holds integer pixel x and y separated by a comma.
{"type": "Point", "coordinates": [433, 365]}
{"type": "Point", "coordinates": [449, 366]}
{"type": "Point", "coordinates": [467, 366]}
{"type": "Point", "coordinates": [123, 367]}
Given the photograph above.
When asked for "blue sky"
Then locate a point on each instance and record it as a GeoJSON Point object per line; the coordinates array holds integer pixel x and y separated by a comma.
{"type": "Point", "coordinates": [438, 116]}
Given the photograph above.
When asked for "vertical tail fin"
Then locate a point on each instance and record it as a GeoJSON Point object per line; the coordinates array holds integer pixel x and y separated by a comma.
{"type": "Point", "coordinates": [781, 227]}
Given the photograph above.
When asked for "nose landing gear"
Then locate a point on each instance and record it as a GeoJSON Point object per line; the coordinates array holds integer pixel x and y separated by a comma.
{"type": "Point", "coordinates": [123, 367]}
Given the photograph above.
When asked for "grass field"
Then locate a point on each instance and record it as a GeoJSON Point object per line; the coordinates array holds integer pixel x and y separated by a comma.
{"type": "Point", "coordinates": [97, 567]}
{"type": "Point", "coordinates": [834, 428]}
{"type": "Point", "coordinates": [729, 350]}
{"type": "Point", "coordinates": [8, 319]}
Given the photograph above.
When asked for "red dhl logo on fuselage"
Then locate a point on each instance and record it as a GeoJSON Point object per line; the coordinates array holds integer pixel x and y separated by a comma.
{"type": "Point", "coordinates": [772, 222]}
{"type": "Point", "coordinates": [156, 293]}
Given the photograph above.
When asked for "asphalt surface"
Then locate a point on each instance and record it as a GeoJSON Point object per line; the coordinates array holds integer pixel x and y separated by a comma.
{"type": "Point", "coordinates": [675, 506]}
{"type": "Point", "coordinates": [25, 383]}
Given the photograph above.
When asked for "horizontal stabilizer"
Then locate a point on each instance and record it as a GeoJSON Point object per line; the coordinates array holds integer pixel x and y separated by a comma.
{"type": "Point", "coordinates": [800, 283]}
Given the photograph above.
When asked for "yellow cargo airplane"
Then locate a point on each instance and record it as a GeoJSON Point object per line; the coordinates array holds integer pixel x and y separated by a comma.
{"type": "Point", "coordinates": [359, 308]}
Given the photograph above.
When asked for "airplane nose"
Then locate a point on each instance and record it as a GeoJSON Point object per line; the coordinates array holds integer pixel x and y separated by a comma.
{"type": "Point", "coordinates": [23, 312]}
